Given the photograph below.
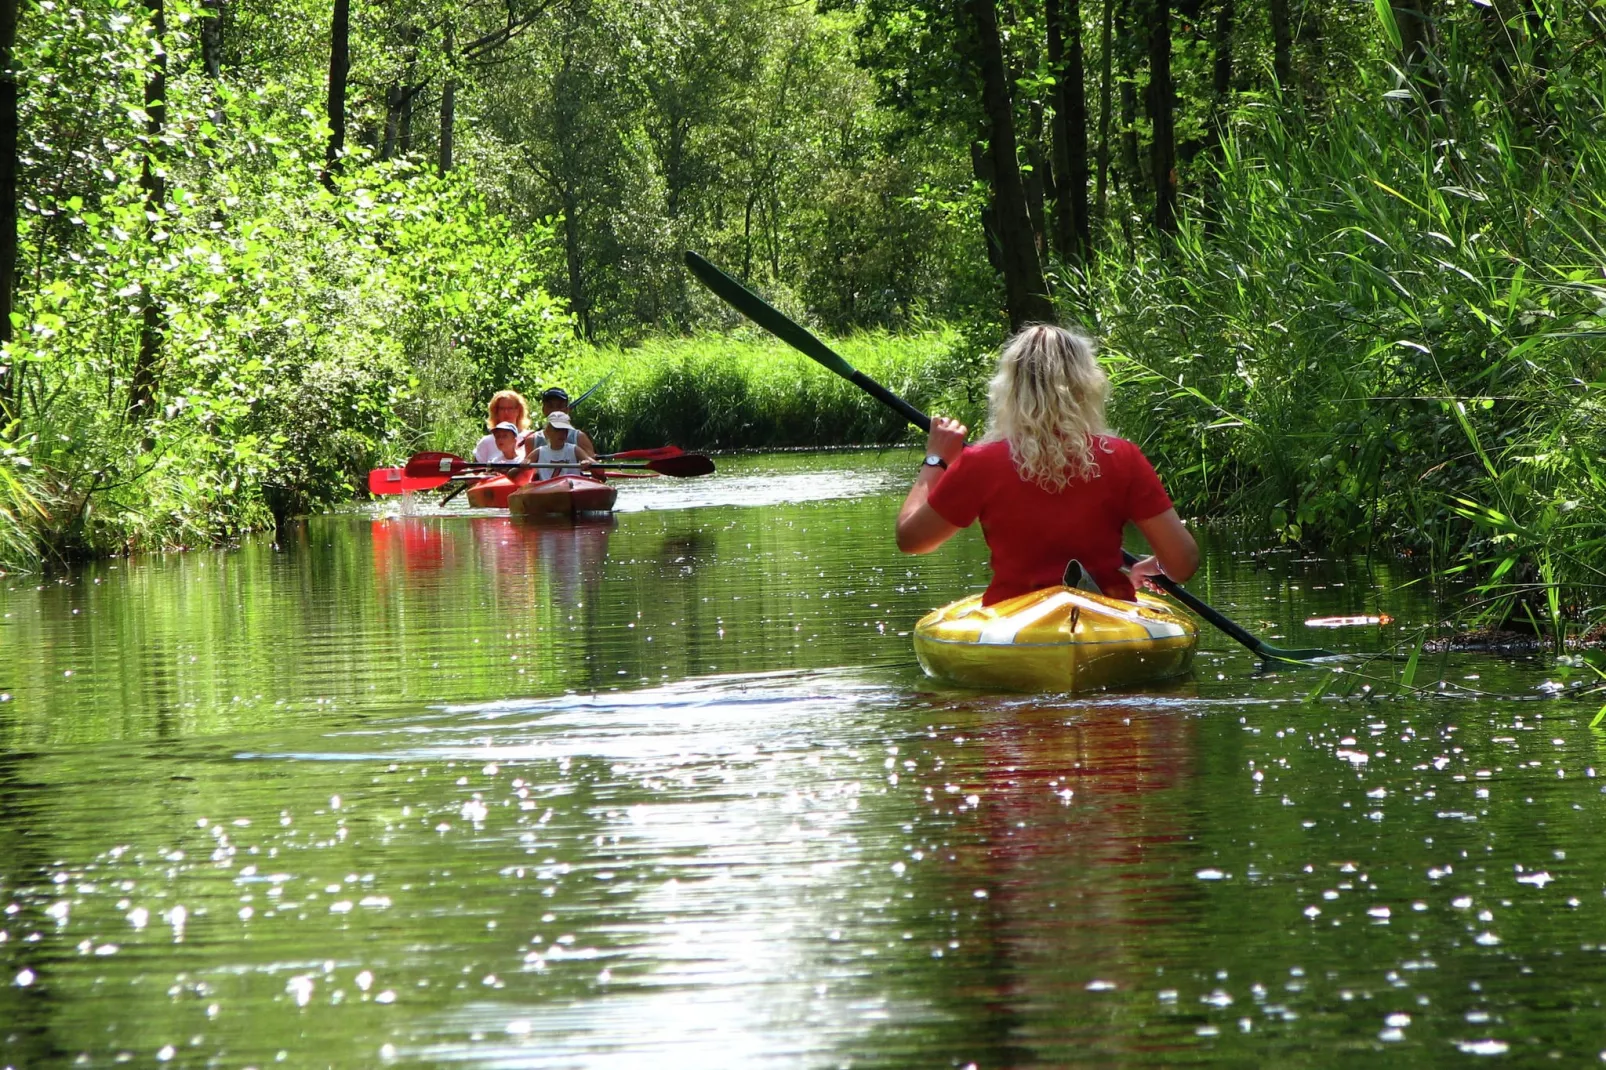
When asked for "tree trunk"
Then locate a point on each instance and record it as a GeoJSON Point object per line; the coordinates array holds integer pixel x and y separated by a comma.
{"type": "Point", "coordinates": [1415, 20]}
{"type": "Point", "coordinates": [212, 38]}
{"type": "Point", "coordinates": [8, 196]}
{"type": "Point", "coordinates": [1308, 37]}
{"type": "Point", "coordinates": [1073, 229]}
{"type": "Point", "coordinates": [1131, 169]}
{"type": "Point", "coordinates": [448, 102]}
{"type": "Point", "coordinates": [1105, 86]}
{"type": "Point", "coordinates": [1282, 45]}
{"type": "Point", "coordinates": [339, 68]}
{"type": "Point", "coordinates": [1162, 118]}
{"type": "Point", "coordinates": [1038, 180]}
{"type": "Point", "coordinates": [576, 264]}
{"type": "Point", "coordinates": [981, 167]}
{"type": "Point", "coordinates": [142, 384]}
{"type": "Point", "coordinates": [1026, 294]}
{"type": "Point", "coordinates": [1222, 83]}
{"type": "Point", "coordinates": [410, 91]}
{"type": "Point", "coordinates": [393, 108]}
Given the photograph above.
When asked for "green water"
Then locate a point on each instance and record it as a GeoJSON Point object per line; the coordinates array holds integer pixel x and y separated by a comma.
{"type": "Point", "coordinates": [445, 790]}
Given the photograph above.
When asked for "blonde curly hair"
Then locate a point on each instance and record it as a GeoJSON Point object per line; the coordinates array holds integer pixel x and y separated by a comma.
{"type": "Point", "coordinates": [1047, 401]}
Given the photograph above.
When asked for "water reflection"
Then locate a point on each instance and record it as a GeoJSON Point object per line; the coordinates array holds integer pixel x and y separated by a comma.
{"type": "Point", "coordinates": [446, 789]}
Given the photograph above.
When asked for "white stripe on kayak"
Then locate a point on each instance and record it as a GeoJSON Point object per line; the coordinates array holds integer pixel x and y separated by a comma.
{"type": "Point", "coordinates": [1002, 632]}
{"type": "Point", "coordinates": [1157, 629]}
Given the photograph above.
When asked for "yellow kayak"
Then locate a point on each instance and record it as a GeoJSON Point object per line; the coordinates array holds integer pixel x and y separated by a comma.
{"type": "Point", "coordinates": [1056, 639]}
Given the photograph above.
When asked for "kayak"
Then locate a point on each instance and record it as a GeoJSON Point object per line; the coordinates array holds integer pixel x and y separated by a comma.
{"type": "Point", "coordinates": [1056, 639]}
{"type": "Point", "coordinates": [493, 493]}
{"type": "Point", "coordinates": [563, 496]}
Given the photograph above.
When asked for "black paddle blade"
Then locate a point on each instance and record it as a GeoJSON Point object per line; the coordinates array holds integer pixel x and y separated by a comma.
{"type": "Point", "coordinates": [762, 313]}
{"type": "Point", "coordinates": [687, 464]}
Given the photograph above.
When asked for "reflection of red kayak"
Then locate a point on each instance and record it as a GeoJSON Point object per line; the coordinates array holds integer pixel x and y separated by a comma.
{"type": "Point", "coordinates": [493, 493]}
{"type": "Point", "coordinates": [562, 496]}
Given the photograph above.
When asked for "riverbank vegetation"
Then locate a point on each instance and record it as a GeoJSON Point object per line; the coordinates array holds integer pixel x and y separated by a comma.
{"type": "Point", "coordinates": [1344, 258]}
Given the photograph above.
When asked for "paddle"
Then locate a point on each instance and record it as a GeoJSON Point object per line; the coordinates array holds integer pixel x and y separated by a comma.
{"type": "Point", "coordinates": [762, 313]}
{"type": "Point", "coordinates": [397, 481]}
{"type": "Point", "coordinates": [447, 465]}
{"type": "Point", "coordinates": [657, 453]}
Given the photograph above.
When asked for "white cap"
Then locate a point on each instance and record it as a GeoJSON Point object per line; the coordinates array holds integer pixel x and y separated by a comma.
{"type": "Point", "coordinates": [505, 426]}
{"type": "Point", "coordinates": [559, 420]}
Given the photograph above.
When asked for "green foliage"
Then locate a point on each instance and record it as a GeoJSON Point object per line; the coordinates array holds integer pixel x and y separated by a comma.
{"type": "Point", "coordinates": [306, 334]}
{"type": "Point", "coordinates": [726, 392]}
{"type": "Point", "coordinates": [1388, 329]}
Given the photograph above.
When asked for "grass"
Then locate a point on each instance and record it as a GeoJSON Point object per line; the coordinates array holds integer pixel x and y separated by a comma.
{"type": "Point", "coordinates": [750, 391]}
{"type": "Point", "coordinates": [1387, 332]}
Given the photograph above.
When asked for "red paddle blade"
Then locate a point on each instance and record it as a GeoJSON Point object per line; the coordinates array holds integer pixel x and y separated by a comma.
{"type": "Point", "coordinates": [687, 464]}
{"type": "Point", "coordinates": [433, 465]}
{"type": "Point", "coordinates": [657, 453]}
{"type": "Point", "coordinates": [397, 481]}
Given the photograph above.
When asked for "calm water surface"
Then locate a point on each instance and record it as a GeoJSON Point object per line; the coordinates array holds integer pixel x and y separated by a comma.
{"type": "Point", "coordinates": [448, 790]}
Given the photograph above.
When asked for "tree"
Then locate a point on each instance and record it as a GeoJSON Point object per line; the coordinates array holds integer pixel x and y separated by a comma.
{"type": "Point", "coordinates": [1073, 231]}
{"type": "Point", "coordinates": [142, 384]}
{"type": "Point", "coordinates": [1282, 45]}
{"type": "Point", "coordinates": [1162, 118]}
{"type": "Point", "coordinates": [8, 193]}
{"type": "Point", "coordinates": [1025, 292]}
{"type": "Point", "coordinates": [1101, 198]}
{"type": "Point", "coordinates": [339, 69]}
{"type": "Point", "coordinates": [448, 99]}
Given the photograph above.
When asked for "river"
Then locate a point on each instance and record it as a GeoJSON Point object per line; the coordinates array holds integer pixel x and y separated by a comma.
{"type": "Point", "coordinates": [445, 789]}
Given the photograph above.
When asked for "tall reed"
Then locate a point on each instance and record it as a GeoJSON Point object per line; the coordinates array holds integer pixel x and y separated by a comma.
{"type": "Point", "coordinates": [1390, 327]}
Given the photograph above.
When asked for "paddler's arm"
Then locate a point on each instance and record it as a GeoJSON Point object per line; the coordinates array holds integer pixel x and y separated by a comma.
{"type": "Point", "coordinates": [1175, 553]}
{"type": "Point", "coordinates": [920, 528]}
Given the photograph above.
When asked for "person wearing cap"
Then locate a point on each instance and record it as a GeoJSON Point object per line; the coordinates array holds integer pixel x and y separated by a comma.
{"type": "Point", "coordinates": [506, 407]}
{"type": "Point", "coordinates": [559, 444]}
{"type": "Point", "coordinates": [505, 437]}
{"type": "Point", "coordinates": [556, 399]}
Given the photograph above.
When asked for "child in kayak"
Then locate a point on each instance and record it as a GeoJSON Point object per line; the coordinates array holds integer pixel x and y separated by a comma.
{"type": "Point", "coordinates": [506, 437]}
{"type": "Point", "coordinates": [509, 407]}
{"type": "Point", "coordinates": [558, 445]}
{"type": "Point", "coordinates": [1049, 482]}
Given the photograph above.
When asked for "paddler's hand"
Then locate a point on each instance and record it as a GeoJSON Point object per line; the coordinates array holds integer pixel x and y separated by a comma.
{"type": "Point", "coordinates": [1143, 571]}
{"type": "Point", "coordinates": [946, 439]}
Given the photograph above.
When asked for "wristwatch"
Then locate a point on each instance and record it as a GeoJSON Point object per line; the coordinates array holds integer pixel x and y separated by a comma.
{"type": "Point", "coordinates": [936, 462]}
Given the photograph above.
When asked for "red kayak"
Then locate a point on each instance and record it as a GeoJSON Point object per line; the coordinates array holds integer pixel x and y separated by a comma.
{"type": "Point", "coordinates": [563, 496]}
{"type": "Point", "coordinates": [494, 493]}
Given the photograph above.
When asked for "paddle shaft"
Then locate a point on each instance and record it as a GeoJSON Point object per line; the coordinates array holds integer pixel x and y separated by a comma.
{"type": "Point", "coordinates": [800, 338]}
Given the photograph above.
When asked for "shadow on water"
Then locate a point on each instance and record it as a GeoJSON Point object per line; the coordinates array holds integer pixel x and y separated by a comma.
{"type": "Point", "coordinates": [445, 789]}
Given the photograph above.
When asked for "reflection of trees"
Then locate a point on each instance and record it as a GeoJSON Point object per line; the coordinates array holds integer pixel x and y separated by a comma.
{"type": "Point", "coordinates": [28, 1014]}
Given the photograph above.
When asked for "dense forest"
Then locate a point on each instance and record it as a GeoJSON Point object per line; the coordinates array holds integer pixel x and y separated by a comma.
{"type": "Point", "coordinates": [1343, 257]}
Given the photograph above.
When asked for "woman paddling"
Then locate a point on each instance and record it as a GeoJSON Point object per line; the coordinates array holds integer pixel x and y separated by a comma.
{"type": "Point", "coordinates": [1049, 483]}
{"type": "Point", "coordinates": [506, 407]}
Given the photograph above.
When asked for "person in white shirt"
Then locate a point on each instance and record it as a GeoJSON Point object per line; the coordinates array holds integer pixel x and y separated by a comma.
{"type": "Point", "coordinates": [505, 438]}
{"type": "Point", "coordinates": [509, 407]}
{"type": "Point", "coordinates": [559, 444]}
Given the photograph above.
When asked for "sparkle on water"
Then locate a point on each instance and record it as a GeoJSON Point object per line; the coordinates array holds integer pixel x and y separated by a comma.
{"type": "Point", "coordinates": [432, 787]}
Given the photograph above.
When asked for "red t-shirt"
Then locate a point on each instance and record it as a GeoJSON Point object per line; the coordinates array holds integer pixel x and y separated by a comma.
{"type": "Point", "coordinates": [1034, 533]}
